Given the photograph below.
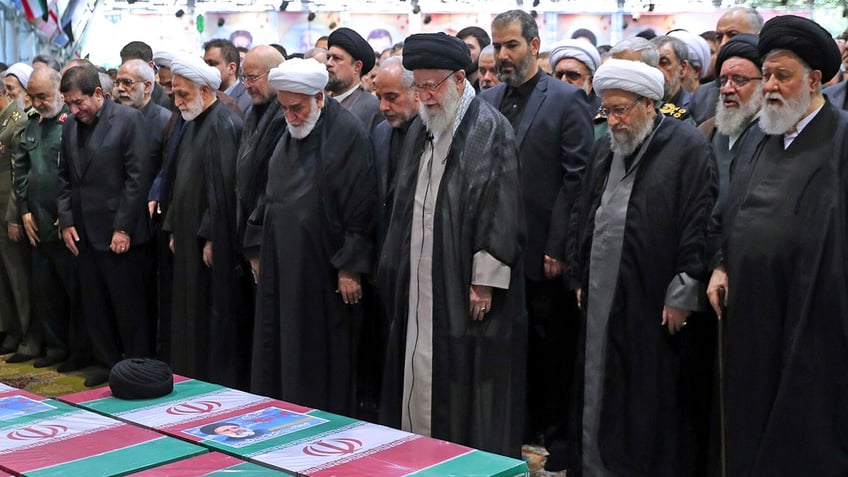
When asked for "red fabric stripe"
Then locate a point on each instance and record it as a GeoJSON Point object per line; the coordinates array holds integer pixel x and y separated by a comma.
{"type": "Point", "coordinates": [192, 467]}
{"type": "Point", "coordinates": [397, 461]}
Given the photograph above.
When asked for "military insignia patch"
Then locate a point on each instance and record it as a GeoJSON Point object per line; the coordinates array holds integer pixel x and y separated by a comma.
{"type": "Point", "coordinates": [63, 117]}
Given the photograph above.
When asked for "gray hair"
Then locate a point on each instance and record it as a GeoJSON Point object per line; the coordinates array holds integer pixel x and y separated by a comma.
{"type": "Point", "coordinates": [681, 51]}
{"type": "Point", "coordinates": [106, 83]}
{"type": "Point", "coordinates": [141, 68]}
{"type": "Point", "coordinates": [755, 20]}
{"type": "Point", "coordinates": [647, 50]}
{"type": "Point", "coordinates": [489, 50]}
{"type": "Point", "coordinates": [406, 77]}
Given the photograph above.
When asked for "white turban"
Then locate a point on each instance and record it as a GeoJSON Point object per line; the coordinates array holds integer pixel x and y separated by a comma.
{"type": "Point", "coordinates": [633, 76]}
{"type": "Point", "coordinates": [21, 71]}
{"type": "Point", "coordinates": [195, 70]}
{"type": "Point", "coordinates": [163, 59]}
{"type": "Point", "coordinates": [299, 76]}
{"type": "Point", "coordinates": [580, 50]}
{"type": "Point", "coordinates": [699, 49]}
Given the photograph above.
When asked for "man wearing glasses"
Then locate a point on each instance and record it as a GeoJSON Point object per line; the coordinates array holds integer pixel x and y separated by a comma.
{"type": "Point", "coordinates": [575, 61]}
{"type": "Point", "coordinates": [554, 136]}
{"type": "Point", "coordinates": [451, 274]}
{"type": "Point", "coordinates": [647, 195]}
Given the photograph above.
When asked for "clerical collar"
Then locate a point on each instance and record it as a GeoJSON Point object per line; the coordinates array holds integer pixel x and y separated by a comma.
{"type": "Point", "coordinates": [789, 137]}
{"type": "Point", "coordinates": [343, 96]}
{"type": "Point", "coordinates": [524, 90]}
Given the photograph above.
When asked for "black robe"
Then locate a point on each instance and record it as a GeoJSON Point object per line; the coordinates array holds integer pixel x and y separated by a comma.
{"type": "Point", "coordinates": [787, 322]}
{"type": "Point", "coordinates": [478, 366]}
{"type": "Point", "coordinates": [207, 323]}
{"type": "Point", "coordinates": [643, 427]}
{"type": "Point", "coordinates": [318, 218]}
{"type": "Point", "coordinates": [263, 128]}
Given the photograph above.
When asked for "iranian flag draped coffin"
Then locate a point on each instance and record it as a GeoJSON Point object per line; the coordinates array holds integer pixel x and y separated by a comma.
{"type": "Point", "coordinates": [213, 464]}
{"type": "Point", "coordinates": [293, 438]}
{"type": "Point", "coordinates": [43, 437]}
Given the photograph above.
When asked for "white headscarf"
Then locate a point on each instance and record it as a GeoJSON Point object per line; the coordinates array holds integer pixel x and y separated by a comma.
{"type": "Point", "coordinates": [699, 49]}
{"type": "Point", "coordinates": [21, 71]}
{"type": "Point", "coordinates": [299, 76]}
{"type": "Point", "coordinates": [194, 69]}
{"type": "Point", "coordinates": [633, 76]}
{"type": "Point", "coordinates": [580, 50]}
{"type": "Point", "coordinates": [163, 59]}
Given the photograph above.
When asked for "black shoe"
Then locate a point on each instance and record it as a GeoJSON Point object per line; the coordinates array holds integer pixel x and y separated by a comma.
{"type": "Point", "coordinates": [8, 349]}
{"type": "Point", "coordinates": [97, 378]}
{"type": "Point", "coordinates": [48, 360]}
{"type": "Point", "coordinates": [73, 363]}
{"type": "Point", "coordinates": [19, 358]}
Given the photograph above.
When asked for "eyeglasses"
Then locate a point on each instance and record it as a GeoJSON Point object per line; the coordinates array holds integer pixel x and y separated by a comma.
{"type": "Point", "coordinates": [737, 80]}
{"type": "Point", "coordinates": [252, 78]}
{"type": "Point", "coordinates": [618, 111]}
{"type": "Point", "coordinates": [570, 75]}
{"type": "Point", "coordinates": [125, 82]}
{"type": "Point", "coordinates": [430, 87]}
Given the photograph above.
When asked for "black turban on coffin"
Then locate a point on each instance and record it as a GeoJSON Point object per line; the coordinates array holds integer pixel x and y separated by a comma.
{"type": "Point", "coordinates": [435, 51]}
{"type": "Point", "coordinates": [356, 46]}
{"type": "Point", "coordinates": [743, 45]}
{"type": "Point", "coordinates": [805, 38]}
{"type": "Point", "coordinates": [137, 378]}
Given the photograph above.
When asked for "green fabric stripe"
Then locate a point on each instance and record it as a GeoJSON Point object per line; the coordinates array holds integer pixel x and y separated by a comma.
{"type": "Point", "coordinates": [61, 408]}
{"type": "Point", "coordinates": [477, 463]}
{"type": "Point", "coordinates": [246, 469]}
{"type": "Point", "coordinates": [309, 434]}
{"type": "Point", "coordinates": [123, 461]}
{"type": "Point", "coordinates": [182, 391]}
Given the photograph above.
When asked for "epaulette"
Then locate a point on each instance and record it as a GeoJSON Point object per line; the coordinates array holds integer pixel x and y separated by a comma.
{"type": "Point", "coordinates": [598, 119]}
{"type": "Point", "coordinates": [672, 111]}
{"type": "Point", "coordinates": [16, 116]}
{"type": "Point", "coordinates": [32, 112]}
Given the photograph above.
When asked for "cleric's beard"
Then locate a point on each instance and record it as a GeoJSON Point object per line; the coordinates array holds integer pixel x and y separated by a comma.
{"type": "Point", "coordinates": [783, 118]}
{"type": "Point", "coordinates": [733, 121]}
{"type": "Point", "coordinates": [193, 109]}
{"type": "Point", "coordinates": [625, 142]}
{"type": "Point", "coordinates": [441, 118]}
{"type": "Point", "coordinates": [300, 132]}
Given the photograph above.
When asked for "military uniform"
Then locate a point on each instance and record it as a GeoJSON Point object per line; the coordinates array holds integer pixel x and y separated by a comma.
{"type": "Point", "coordinates": [668, 109]}
{"type": "Point", "coordinates": [14, 256]}
{"type": "Point", "coordinates": [55, 291]}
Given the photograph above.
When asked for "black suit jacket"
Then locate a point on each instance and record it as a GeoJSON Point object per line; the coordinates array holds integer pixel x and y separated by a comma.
{"type": "Point", "coordinates": [103, 182]}
{"type": "Point", "coordinates": [381, 140]}
{"type": "Point", "coordinates": [555, 138]}
{"type": "Point", "coordinates": [702, 103]}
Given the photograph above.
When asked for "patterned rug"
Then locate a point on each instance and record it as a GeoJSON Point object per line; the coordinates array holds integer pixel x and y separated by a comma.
{"type": "Point", "coordinates": [42, 381]}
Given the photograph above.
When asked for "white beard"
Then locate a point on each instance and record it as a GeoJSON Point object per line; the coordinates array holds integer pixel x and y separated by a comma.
{"type": "Point", "coordinates": [782, 119]}
{"type": "Point", "coordinates": [626, 142]}
{"type": "Point", "coordinates": [442, 118]}
{"type": "Point", "coordinates": [300, 132]}
{"type": "Point", "coordinates": [732, 121]}
{"type": "Point", "coordinates": [193, 109]}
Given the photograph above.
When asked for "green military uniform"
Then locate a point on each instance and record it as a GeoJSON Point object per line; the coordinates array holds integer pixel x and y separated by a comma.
{"type": "Point", "coordinates": [55, 293]}
{"type": "Point", "coordinates": [668, 109]}
{"type": "Point", "coordinates": [14, 256]}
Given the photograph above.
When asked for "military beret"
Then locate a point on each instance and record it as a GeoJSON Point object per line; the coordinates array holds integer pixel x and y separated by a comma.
{"type": "Point", "coordinates": [435, 51]}
{"type": "Point", "coordinates": [805, 38]}
{"type": "Point", "coordinates": [356, 46]}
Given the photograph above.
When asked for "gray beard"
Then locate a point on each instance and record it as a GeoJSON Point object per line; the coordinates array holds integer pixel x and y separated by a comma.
{"type": "Point", "coordinates": [193, 109]}
{"type": "Point", "coordinates": [442, 120]}
{"type": "Point", "coordinates": [300, 132]}
{"type": "Point", "coordinates": [732, 121]}
{"type": "Point", "coordinates": [782, 119]}
{"type": "Point", "coordinates": [625, 143]}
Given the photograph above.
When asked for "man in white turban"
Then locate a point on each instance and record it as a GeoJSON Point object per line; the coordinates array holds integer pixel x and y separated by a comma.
{"type": "Point", "coordinates": [699, 57]}
{"type": "Point", "coordinates": [317, 220]}
{"type": "Point", "coordinates": [640, 262]}
{"type": "Point", "coordinates": [575, 62]}
{"type": "Point", "coordinates": [208, 312]}
{"type": "Point", "coordinates": [163, 60]}
{"type": "Point", "coordinates": [15, 79]}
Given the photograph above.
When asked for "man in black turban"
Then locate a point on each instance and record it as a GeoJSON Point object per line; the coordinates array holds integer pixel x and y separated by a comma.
{"type": "Point", "coordinates": [781, 273]}
{"type": "Point", "coordinates": [451, 273]}
{"type": "Point", "coordinates": [350, 58]}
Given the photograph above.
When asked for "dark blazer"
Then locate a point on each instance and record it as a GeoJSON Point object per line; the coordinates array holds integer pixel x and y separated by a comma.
{"type": "Point", "coordinates": [554, 138]}
{"type": "Point", "coordinates": [242, 98]}
{"type": "Point", "coordinates": [836, 94]}
{"type": "Point", "coordinates": [381, 140]}
{"type": "Point", "coordinates": [103, 182]}
{"type": "Point", "coordinates": [702, 103]}
{"type": "Point", "coordinates": [364, 106]}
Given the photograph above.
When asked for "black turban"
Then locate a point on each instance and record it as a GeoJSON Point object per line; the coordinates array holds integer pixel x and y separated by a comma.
{"type": "Point", "coordinates": [743, 45]}
{"type": "Point", "coordinates": [356, 46]}
{"type": "Point", "coordinates": [141, 379]}
{"type": "Point", "coordinates": [805, 38]}
{"type": "Point", "coordinates": [435, 51]}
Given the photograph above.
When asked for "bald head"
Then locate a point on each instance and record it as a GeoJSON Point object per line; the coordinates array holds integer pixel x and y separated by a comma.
{"type": "Point", "coordinates": [43, 90]}
{"type": "Point", "coordinates": [257, 63]}
{"type": "Point", "coordinates": [738, 20]}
